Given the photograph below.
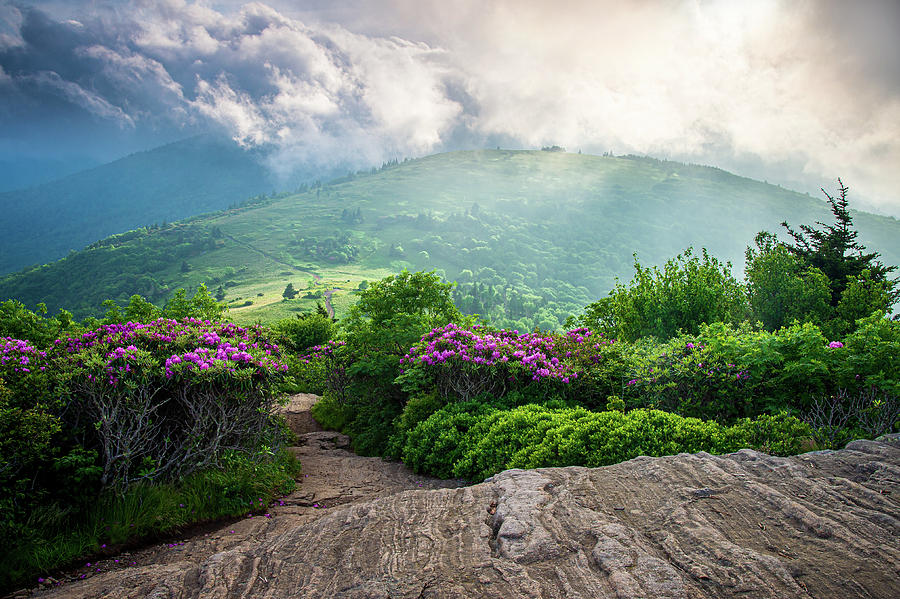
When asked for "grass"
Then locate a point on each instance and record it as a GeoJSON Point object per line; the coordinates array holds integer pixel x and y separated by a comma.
{"type": "Point", "coordinates": [62, 538]}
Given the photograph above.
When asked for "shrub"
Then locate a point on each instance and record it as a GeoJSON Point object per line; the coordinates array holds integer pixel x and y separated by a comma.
{"type": "Point", "coordinates": [304, 331]}
{"type": "Point", "coordinates": [390, 316]}
{"type": "Point", "coordinates": [85, 421]}
{"type": "Point", "coordinates": [168, 397]}
{"type": "Point", "coordinates": [436, 444]}
{"type": "Point", "coordinates": [474, 441]}
{"type": "Point", "coordinates": [686, 293]}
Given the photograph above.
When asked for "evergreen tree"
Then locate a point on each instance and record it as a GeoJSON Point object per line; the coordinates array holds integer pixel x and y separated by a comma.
{"type": "Point", "coordinates": [834, 250]}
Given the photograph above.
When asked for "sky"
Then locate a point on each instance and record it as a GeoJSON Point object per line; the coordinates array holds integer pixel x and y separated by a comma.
{"type": "Point", "coordinates": [793, 92]}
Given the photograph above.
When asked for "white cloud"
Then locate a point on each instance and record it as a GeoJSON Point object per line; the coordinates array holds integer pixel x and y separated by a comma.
{"type": "Point", "coordinates": [772, 88]}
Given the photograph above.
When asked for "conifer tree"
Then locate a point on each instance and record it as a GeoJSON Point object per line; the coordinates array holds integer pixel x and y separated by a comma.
{"type": "Point", "coordinates": [834, 250]}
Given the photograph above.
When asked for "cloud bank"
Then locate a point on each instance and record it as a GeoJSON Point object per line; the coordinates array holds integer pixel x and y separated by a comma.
{"type": "Point", "coordinates": [795, 92]}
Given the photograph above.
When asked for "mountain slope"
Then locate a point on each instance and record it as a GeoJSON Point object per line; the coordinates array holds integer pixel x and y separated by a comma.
{"type": "Point", "coordinates": [531, 236]}
{"type": "Point", "coordinates": [44, 223]}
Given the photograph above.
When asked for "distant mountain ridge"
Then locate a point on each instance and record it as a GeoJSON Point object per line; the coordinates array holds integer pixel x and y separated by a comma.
{"type": "Point", "coordinates": [530, 236]}
{"type": "Point", "coordinates": [201, 174]}
{"type": "Point", "coordinates": [23, 172]}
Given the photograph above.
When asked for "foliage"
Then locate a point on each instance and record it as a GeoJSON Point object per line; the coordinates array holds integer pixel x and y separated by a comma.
{"type": "Point", "coordinates": [474, 441]}
{"type": "Point", "coordinates": [687, 292]}
{"type": "Point", "coordinates": [304, 331]}
{"type": "Point", "coordinates": [201, 305]}
{"type": "Point", "coordinates": [782, 289]}
{"type": "Point", "coordinates": [127, 404]}
{"type": "Point", "coordinates": [723, 373]}
{"type": "Point", "coordinates": [834, 250]}
{"type": "Point", "coordinates": [169, 397]}
{"type": "Point", "coordinates": [18, 322]}
{"type": "Point", "coordinates": [389, 317]}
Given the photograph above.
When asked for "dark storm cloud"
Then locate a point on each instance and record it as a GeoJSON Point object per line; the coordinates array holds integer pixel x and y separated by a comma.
{"type": "Point", "coordinates": [263, 78]}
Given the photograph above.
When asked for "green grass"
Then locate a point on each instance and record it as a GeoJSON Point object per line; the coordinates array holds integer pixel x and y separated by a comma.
{"type": "Point", "coordinates": [144, 513]}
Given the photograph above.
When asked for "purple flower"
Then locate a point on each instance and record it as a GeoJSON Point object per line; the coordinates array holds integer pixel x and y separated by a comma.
{"type": "Point", "coordinates": [835, 344]}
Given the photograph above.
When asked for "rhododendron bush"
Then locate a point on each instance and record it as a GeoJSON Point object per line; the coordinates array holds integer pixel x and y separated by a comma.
{"type": "Point", "coordinates": [130, 402]}
{"type": "Point", "coordinates": [723, 375]}
{"type": "Point", "coordinates": [169, 402]}
{"type": "Point", "coordinates": [169, 397]}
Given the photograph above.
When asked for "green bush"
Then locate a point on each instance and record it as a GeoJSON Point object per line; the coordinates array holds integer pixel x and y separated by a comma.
{"type": "Point", "coordinates": [330, 413]}
{"type": "Point", "coordinates": [686, 293]}
{"type": "Point", "coordinates": [437, 443]}
{"type": "Point", "coordinates": [417, 409]}
{"type": "Point", "coordinates": [474, 440]}
{"type": "Point", "coordinates": [121, 407]}
{"type": "Point", "coordinates": [870, 356]}
{"type": "Point", "coordinates": [304, 331]}
{"type": "Point", "coordinates": [390, 316]}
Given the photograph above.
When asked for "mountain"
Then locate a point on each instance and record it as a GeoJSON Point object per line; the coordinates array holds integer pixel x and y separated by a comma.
{"type": "Point", "coordinates": [202, 174]}
{"type": "Point", "coordinates": [19, 172]}
{"type": "Point", "coordinates": [531, 236]}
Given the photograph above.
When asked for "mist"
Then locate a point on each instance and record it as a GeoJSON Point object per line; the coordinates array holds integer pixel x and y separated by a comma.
{"type": "Point", "coordinates": [795, 93]}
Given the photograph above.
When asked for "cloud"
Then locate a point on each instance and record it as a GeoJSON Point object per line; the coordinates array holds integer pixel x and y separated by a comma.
{"type": "Point", "coordinates": [800, 92]}
{"type": "Point", "coordinates": [74, 93]}
{"type": "Point", "coordinates": [797, 91]}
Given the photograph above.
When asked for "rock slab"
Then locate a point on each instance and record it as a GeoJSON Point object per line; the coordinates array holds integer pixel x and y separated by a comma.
{"type": "Point", "coordinates": [818, 525]}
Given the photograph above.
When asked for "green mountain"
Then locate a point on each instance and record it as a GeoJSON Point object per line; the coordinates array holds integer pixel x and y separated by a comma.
{"type": "Point", "coordinates": [531, 236]}
{"type": "Point", "coordinates": [201, 174]}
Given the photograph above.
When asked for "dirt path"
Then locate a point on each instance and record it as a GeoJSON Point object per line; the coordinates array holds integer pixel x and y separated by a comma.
{"type": "Point", "coordinates": [332, 475]}
{"type": "Point", "coordinates": [328, 293]}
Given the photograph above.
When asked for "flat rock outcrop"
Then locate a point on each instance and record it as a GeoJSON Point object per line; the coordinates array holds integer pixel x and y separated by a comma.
{"type": "Point", "coordinates": [818, 525]}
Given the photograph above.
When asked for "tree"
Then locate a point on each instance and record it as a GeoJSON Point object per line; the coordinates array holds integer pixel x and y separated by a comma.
{"type": "Point", "coordinates": [781, 288]}
{"type": "Point", "coordinates": [834, 250]}
{"type": "Point", "coordinates": [289, 292]}
{"type": "Point", "coordinates": [202, 305]}
{"type": "Point", "coordinates": [305, 331]}
{"type": "Point", "coordinates": [390, 316]}
{"type": "Point", "coordinates": [686, 293]}
{"type": "Point", "coordinates": [220, 294]}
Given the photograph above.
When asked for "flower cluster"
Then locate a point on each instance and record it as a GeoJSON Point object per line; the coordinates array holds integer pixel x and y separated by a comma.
{"type": "Point", "coordinates": [189, 347]}
{"type": "Point", "coordinates": [542, 356]}
{"type": "Point", "coordinates": [319, 352]}
{"type": "Point", "coordinates": [17, 356]}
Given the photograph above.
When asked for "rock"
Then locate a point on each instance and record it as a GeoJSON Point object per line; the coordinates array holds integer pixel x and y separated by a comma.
{"type": "Point", "coordinates": [822, 525]}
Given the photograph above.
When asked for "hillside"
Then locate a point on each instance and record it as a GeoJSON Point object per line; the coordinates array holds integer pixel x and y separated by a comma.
{"type": "Point", "coordinates": [20, 172]}
{"type": "Point", "coordinates": [530, 236]}
{"type": "Point", "coordinates": [44, 223]}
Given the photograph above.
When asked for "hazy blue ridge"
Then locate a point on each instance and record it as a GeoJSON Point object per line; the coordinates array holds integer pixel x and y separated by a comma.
{"type": "Point", "coordinates": [44, 223]}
